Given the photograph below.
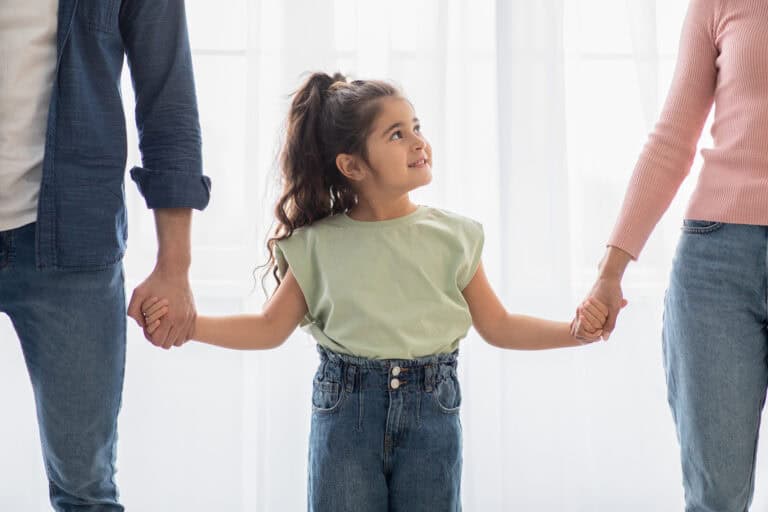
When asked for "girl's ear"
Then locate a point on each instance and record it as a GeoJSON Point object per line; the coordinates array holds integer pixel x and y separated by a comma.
{"type": "Point", "coordinates": [349, 166]}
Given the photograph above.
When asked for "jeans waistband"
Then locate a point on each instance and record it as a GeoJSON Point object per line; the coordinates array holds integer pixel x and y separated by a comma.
{"type": "Point", "coordinates": [385, 364]}
{"type": "Point", "coordinates": [424, 372]}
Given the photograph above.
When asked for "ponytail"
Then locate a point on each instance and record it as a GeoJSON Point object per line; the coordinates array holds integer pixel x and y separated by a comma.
{"type": "Point", "coordinates": [328, 116]}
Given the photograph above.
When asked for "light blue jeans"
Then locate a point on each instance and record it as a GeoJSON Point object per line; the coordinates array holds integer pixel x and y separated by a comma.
{"type": "Point", "coordinates": [715, 349]}
{"type": "Point", "coordinates": [71, 325]}
{"type": "Point", "coordinates": [385, 436]}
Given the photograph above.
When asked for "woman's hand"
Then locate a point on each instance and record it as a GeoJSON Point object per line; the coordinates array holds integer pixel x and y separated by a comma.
{"type": "Point", "coordinates": [606, 291]}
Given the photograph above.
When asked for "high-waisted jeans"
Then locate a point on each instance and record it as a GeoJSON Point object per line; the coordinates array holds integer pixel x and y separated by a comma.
{"type": "Point", "coordinates": [386, 435]}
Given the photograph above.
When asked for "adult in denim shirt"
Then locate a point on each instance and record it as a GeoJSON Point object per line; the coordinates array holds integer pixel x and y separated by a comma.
{"type": "Point", "coordinates": [62, 211]}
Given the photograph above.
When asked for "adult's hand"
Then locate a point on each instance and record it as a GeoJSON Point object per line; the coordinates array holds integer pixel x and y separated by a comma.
{"type": "Point", "coordinates": [176, 326]}
{"type": "Point", "coordinates": [607, 290]}
{"type": "Point", "coordinates": [169, 280]}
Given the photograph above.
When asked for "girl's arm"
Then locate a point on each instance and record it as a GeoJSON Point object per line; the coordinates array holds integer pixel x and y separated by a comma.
{"type": "Point", "coordinates": [504, 330]}
{"type": "Point", "coordinates": [265, 330]}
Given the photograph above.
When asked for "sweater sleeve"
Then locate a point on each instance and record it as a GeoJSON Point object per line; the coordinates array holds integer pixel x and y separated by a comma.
{"type": "Point", "coordinates": [668, 154]}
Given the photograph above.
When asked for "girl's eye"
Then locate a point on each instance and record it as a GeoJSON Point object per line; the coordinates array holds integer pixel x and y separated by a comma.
{"type": "Point", "coordinates": [396, 135]}
{"type": "Point", "coordinates": [417, 128]}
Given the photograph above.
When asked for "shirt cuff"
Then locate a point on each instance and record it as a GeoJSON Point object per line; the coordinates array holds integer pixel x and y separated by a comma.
{"type": "Point", "coordinates": [172, 189]}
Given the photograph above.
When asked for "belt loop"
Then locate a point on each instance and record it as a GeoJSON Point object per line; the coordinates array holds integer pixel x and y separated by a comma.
{"type": "Point", "coordinates": [429, 377]}
{"type": "Point", "coordinates": [350, 373]}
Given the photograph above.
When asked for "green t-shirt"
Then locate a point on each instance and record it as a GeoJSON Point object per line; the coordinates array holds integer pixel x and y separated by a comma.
{"type": "Point", "coordinates": [387, 289]}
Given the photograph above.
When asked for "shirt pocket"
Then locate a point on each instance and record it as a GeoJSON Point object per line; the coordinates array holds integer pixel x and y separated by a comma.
{"type": "Point", "coordinates": [99, 15]}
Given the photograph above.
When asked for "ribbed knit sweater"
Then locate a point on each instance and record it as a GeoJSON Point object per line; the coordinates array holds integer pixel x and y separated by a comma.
{"type": "Point", "coordinates": [723, 59]}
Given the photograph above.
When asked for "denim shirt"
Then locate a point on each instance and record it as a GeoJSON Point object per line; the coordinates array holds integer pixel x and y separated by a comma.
{"type": "Point", "coordinates": [81, 221]}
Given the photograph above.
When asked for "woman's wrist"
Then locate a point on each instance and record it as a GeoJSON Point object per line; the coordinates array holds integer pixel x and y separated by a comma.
{"type": "Point", "coordinates": [613, 264]}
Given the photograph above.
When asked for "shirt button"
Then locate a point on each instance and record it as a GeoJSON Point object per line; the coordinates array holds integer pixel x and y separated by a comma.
{"type": "Point", "coordinates": [395, 383]}
{"type": "Point", "coordinates": [395, 371]}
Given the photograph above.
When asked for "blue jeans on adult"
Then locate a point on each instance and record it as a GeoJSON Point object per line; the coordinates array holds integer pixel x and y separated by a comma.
{"type": "Point", "coordinates": [71, 325]}
{"type": "Point", "coordinates": [386, 435]}
{"type": "Point", "coordinates": [715, 349]}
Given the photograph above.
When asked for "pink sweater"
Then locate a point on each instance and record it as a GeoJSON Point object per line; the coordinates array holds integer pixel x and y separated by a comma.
{"type": "Point", "coordinates": [723, 58]}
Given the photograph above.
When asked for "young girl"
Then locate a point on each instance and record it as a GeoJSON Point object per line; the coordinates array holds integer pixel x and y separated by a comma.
{"type": "Point", "coordinates": [387, 288]}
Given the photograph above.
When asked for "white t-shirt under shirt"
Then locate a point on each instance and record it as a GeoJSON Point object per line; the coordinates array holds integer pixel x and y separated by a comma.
{"type": "Point", "coordinates": [27, 69]}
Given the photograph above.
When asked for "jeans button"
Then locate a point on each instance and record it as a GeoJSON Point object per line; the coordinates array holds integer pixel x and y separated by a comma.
{"type": "Point", "coordinates": [395, 371]}
{"type": "Point", "coordinates": [395, 383]}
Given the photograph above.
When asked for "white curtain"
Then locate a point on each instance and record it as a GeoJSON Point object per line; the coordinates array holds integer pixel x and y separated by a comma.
{"type": "Point", "coordinates": [537, 110]}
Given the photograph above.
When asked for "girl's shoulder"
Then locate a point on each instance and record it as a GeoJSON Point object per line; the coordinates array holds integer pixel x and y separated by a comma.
{"type": "Point", "coordinates": [311, 232]}
{"type": "Point", "coordinates": [452, 219]}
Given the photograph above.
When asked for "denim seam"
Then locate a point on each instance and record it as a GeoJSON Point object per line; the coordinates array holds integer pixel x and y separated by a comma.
{"type": "Point", "coordinates": [419, 392]}
{"type": "Point", "coordinates": [360, 402]}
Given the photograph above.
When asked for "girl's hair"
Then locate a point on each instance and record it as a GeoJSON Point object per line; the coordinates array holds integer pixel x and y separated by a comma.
{"type": "Point", "coordinates": [328, 116]}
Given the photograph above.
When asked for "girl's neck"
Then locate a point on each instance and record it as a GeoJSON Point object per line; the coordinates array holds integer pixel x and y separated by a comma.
{"type": "Point", "coordinates": [367, 210]}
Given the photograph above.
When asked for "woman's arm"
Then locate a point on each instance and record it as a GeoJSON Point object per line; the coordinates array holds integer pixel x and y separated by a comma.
{"type": "Point", "coordinates": [504, 330]}
{"type": "Point", "coordinates": [265, 330]}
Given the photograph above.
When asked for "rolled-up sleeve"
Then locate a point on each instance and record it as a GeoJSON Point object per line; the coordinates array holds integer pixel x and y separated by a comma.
{"type": "Point", "coordinates": [159, 57]}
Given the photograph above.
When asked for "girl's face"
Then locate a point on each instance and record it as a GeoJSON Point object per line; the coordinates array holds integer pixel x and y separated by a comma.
{"type": "Point", "coordinates": [399, 157]}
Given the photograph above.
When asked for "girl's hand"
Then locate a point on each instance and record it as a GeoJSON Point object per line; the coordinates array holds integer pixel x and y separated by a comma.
{"type": "Point", "coordinates": [153, 309]}
{"type": "Point", "coordinates": [592, 315]}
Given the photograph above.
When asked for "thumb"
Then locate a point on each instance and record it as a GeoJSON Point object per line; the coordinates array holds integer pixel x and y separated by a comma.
{"type": "Point", "coordinates": [134, 308]}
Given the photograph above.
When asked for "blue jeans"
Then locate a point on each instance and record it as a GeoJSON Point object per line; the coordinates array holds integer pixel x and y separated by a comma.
{"type": "Point", "coordinates": [71, 326]}
{"type": "Point", "coordinates": [385, 436]}
{"type": "Point", "coordinates": [715, 350]}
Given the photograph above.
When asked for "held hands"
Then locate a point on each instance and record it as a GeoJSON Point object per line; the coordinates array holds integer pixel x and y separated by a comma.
{"type": "Point", "coordinates": [179, 311]}
{"type": "Point", "coordinates": [605, 298]}
{"type": "Point", "coordinates": [587, 325]}
{"type": "Point", "coordinates": [152, 311]}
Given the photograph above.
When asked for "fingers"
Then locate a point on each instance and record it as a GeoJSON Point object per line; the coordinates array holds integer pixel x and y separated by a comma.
{"type": "Point", "coordinates": [593, 323]}
{"type": "Point", "coordinates": [584, 336]}
{"type": "Point", "coordinates": [151, 305]}
{"type": "Point", "coordinates": [153, 326]}
{"type": "Point", "coordinates": [157, 337]}
{"type": "Point", "coordinates": [170, 337]}
{"type": "Point", "coordinates": [178, 334]}
{"type": "Point", "coordinates": [596, 309]}
{"type": "Point", "coordinates": [156, 315]}
{"type": "Point", "coordinates": [610, 324]}
{"type": "Point", "coordinates": [597, 306]}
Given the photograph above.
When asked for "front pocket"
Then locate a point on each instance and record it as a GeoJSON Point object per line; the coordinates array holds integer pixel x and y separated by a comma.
{"type": "Point", "coordinates": [700, 226]}
{"type": "Point", "coordinates": [447, 394]}
{"type": "Point", "coordinates": [326, 396]}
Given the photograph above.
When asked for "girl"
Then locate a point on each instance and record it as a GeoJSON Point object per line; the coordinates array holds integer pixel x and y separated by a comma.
{"type": "Point", "coordinates": [387, 288]}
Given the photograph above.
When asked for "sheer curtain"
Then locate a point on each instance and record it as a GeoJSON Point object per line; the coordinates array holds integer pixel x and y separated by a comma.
{"type": "Point", "coordinates": [537, 110]}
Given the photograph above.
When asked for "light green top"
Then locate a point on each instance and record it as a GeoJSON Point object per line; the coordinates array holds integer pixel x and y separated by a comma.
{"type": "Point", "coordinates": [388, 289]}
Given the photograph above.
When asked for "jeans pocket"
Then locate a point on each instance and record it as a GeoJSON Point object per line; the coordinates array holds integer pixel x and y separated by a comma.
{"type": "Point", "coordinates": [447, 393]}
{"type": "Point", "coordinates": [326, 396]}
{"type": "Point", "coordinates": [700, 226]}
